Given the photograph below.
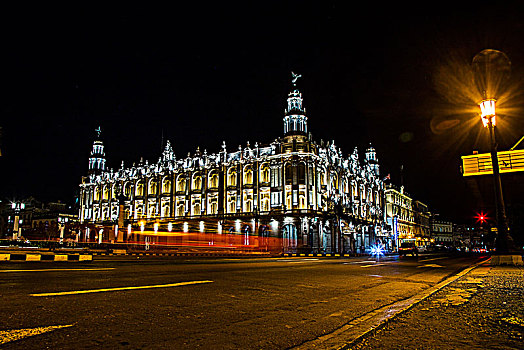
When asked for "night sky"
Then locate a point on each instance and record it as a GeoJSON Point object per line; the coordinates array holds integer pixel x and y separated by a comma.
{"type": "Point", "coordinates": [199, 75]}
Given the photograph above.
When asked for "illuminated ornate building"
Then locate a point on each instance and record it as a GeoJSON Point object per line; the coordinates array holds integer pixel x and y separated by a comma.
{"type": "Point", "coordinates": [303, 195]}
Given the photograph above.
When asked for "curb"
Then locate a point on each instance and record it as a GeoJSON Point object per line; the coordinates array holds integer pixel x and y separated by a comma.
{"type": "Point", "coordinates": [44, 257]}
{"type": "Point", "coordinates": [349, 334]}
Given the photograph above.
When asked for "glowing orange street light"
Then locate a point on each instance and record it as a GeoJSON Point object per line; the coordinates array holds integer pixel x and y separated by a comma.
{"type": "Point", "coordinates": [487, 112]}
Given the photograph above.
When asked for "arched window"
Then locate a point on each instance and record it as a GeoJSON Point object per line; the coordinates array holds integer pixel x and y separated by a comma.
{"type": "Point", "coordinates": [248, 202]}
{"type": "Point", "coordinates": [248, 176]}
{"type": "Point", "coordinates": [97, 193]}
{"type": "Point", "coordinates": [165, 209]}
{"type": "Point", "coordinates": [180, 209]}
{"type": "Point", "coordinates": [166, 185]}
{"type": "Point", "coordinates": [152, 186]}
{"type": "Point", "coordinates": [289, 174]}
{"type": "Point", "coordinates": [139, 190]}
{"type": "Point", "coordinates": [289, 200]}
{"type": "Point", "coordinates": [302, 201]}
{"type": "Point", "coordinates": [105, 194]}
{"type": "Point", "coordinates": [197, 182]}
{"type": "Point", "coordinates": [302, 174]}
{"type": "Point", "coordinates": [195, 207]}
{"type": "Point", "coordinates": [213, 208]}
{"type": "Point", "coordinates": [181, 183]}
{"type": "Point", "coordinates": [114, 190]}
{"type": "Point", "coordinates": [264, 173]}
{"type": "Point", "coordinates": [264, 204]}
{"type": "Point", "coordinates": [213, 180]}
{"type": "Point", "coordinates": [231, 204]}
{"type": "Point", "coordinates": [127, 189]}
{"type": "Point", "coordinates": [232, 177]}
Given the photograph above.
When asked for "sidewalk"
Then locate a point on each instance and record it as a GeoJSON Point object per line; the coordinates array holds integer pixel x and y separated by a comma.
{"type": "Point", "coordinates": [483, 309]}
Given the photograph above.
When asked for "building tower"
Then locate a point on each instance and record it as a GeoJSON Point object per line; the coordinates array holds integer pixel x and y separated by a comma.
{"type": "Point", "coordinates": [295, 120]}
{"type": "Point", "coordinates": [371, 159]}
{"type": "Point", "coordinates": [97, 158]}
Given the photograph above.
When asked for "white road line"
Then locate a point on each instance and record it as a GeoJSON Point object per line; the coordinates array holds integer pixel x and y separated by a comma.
{"type": "Point", "coordinates": [49, 270]}
{"type": "Point", "coordinates": [118, 289]}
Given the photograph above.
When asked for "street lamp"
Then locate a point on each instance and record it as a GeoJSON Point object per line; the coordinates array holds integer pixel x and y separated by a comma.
{"type": "Point", "coordinates": [17, 229]}
{"type": "Point", "coordinates": [504, 242]}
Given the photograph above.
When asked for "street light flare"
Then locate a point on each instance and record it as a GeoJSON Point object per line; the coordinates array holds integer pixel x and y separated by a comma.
{"type": "Point", "coordinates": [487, 112]}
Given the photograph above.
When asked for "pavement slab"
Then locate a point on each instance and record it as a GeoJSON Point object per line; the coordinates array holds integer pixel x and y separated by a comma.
{"type": "Point", "coordinates": [483, 309]}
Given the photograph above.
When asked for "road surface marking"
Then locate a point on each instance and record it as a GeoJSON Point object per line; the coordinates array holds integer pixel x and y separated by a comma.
{"type": "Point", "coordinates": [17, 334]}
{"type": "Point", "coordinates": [362, 262]}
{"type": "Point", "coordinates": [47, 270]}
{"type": "Point", "coordinates": [118, 289]}
{"type": "Point", "coordinates": [430, 265]}
{"type": "Point", "coordinates": [371, 265]}
{"type": "Point", "coordinates": [442, 257]}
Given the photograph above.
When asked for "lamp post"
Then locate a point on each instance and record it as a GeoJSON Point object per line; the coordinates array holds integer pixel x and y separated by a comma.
{"type": "Point", "coordinates": [17, 230]}
{"type": "Point", "coordinates": [504, 242]}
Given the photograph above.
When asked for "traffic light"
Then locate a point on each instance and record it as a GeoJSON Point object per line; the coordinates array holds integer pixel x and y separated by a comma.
{"type": "Point", "coordinates": [481, 217]}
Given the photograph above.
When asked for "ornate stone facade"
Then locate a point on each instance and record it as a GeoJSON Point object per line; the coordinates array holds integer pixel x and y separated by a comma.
{"type": "Point", "coordinates": [302, 195]}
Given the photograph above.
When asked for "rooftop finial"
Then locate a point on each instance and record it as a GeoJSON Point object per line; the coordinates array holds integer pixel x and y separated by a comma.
{"type": "Point", "coordinates": [98, 131]}
{"type": "Point", "coordinates": [295, 78]}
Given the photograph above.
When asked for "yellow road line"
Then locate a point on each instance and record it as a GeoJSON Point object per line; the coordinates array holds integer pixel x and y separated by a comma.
{"type": "Point", "coordinates": [17, 334]}
{"type": "Point", "coordinates": [118, 289]}
{"type": "Point", "coordinates": [47, 270]}
{"type": "Point", "coordinates": [442, 257]}
{"type": "Point", "coordinates": [371, 265]}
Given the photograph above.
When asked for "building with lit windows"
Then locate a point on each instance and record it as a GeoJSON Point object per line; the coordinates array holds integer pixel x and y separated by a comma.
{"type": "Point", "coordinates": [422, 222]}
{"type": "Point", "coordinates": [400, 214]}
{"type": "Point", "coordinates": [293, 194]}
{"type": "Point", "coordinates": [442, 232]}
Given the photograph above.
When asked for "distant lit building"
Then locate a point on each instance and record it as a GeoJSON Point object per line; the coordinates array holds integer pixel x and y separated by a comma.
{"type": "Point", "coordinates": [36, 220]}
{"type": "Point", "coordinates": [399, 213]}
{"type": "Point", "coordinates": [306, 195]}
{"type": "Point", "coordinates": [442, 232]}
{"type": "Point", "coordinates": [422, 227]}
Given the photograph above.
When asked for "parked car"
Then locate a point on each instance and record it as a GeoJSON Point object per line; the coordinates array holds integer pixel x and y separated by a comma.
{"type": "Point", "coordinates": [408, 248]}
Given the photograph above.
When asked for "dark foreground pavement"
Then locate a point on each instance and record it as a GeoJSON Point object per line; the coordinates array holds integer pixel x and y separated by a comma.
{"type": "Point", "coordinates": [483, 309]}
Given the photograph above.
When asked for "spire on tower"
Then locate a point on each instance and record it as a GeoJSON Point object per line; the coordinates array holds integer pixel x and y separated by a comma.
{"type": "Point", "coordinates": [97, 160]}
{"type": "Point", "coordinates": [295, 120]}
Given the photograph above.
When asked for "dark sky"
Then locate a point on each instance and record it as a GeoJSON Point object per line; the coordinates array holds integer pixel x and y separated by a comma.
{"type": "Point", "coordinates": [198, 75]}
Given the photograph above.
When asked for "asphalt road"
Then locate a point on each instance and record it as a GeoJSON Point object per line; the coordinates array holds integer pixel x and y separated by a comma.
{"type": "Point", "coordinates": [180, 303]}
